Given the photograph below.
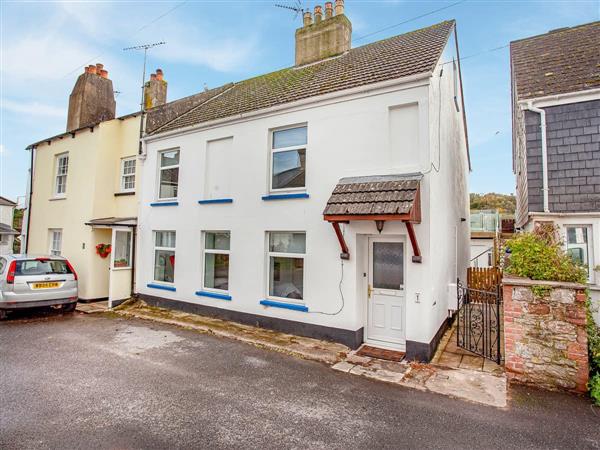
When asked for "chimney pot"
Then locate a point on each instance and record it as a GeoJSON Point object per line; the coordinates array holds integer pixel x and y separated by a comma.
{"type": "Point", "coordinates": [91, 68]}
{"type": "Point", "coordinates": [104, 73]}
{"type": "Point", "coordinates": [159, 74]}
{"type": "Point", "coordinates": [328, 10]}
{"type": "Point", "coordinates": [307, 18]}
{"type": "Point", "coordinates": [99, 68]}
{"type": "Point", "coordinates": [318, 13]}
{"type": "Point", "coordinates": [339, 7]}
{"type": "Point", "coordinates": [153, 76]}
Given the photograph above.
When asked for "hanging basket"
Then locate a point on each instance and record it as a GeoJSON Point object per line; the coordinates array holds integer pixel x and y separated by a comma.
{"type": "Point", "coordinates": [103, 250]}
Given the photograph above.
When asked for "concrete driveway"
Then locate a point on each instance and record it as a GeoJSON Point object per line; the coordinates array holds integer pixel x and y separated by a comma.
{"type": "Point", "coordinates": [83, 381]}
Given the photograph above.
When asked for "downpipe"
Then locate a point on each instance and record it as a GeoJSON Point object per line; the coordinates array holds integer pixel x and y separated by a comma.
{"type": "Point", "coordinates": [542, 114]}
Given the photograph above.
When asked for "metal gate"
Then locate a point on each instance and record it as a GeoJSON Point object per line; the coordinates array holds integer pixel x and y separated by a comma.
{"type": "Point", "coordinates": [479, 321]}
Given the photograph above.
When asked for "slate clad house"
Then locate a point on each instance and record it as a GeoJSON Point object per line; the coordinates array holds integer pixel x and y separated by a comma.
{"type": "Point", "coordinates": [328, 199]}
{"type": "Point", "coordinates": [556, 137]}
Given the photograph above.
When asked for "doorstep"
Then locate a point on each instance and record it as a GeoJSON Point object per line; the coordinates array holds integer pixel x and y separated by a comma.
{"type": "Point", "coordinates": [92, 307]}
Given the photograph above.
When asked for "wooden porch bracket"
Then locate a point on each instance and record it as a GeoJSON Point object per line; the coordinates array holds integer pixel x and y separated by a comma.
{"type": "Point", "coordinates": [417, 258]}
{"type": "Point", "coordinates": [338, 232]}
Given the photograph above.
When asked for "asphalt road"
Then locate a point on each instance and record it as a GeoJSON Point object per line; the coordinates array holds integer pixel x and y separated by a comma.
{"type": "Point", "coordinates": [82, 381]}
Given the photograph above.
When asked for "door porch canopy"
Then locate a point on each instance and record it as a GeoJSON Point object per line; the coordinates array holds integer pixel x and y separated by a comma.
{"type": "Point", "coordinates": [379, 198]}
{"type": "Point", "coordinates": [111, 222]}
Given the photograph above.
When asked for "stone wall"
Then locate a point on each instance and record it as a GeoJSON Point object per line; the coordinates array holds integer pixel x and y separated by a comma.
{"type": "Point", "coordinates": [545, 337]}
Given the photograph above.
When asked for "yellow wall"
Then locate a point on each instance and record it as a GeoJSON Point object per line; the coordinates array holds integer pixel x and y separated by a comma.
{"type": "Point", "coordinates": [93, 179]}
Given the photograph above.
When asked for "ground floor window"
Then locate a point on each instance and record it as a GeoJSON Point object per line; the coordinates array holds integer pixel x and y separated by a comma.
{"type": "Point", "coordinates": [578, 245]}
{"type": "Point", "coordinates": [164, 256]}
{"type": "Point", "coordinates": [122, 250]}
{"type": "Point", "coordinates": [286, 252]}
{"type": "Point", "coordinates": [216, 260]}
{"type": "Point", "coordinates": [55, 242]}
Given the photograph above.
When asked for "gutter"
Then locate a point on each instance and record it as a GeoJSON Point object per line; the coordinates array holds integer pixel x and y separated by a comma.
{"type": "Point", "coordinates": [529, 106]}
{"type": "Point", "coordinates": [566, 98]}
{"type": "Point", "coordinates": [335, 96]}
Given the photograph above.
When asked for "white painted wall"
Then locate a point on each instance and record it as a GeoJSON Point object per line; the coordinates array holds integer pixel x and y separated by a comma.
{"type": "Point", "coordinates": [480, 249]}
{"type": "Point", "coordinates": [6, 217]}
{"type": "Point", "coordinates": [349, 137]}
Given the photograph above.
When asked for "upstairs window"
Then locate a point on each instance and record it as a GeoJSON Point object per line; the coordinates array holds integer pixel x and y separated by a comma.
{"type": "Point", "coordinates": [286, 265]}
{"type": "Point", "coordinates": [128, 174]}
{"type": "Point", "coordinates": [168, 174]}
{"type": "Point", "coordinates": [288, 159]}
{"type": "Point", "coordinates": [62, 167]}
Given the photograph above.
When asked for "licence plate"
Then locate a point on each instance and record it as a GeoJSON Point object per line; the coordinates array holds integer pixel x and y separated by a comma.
{"type": "Point", "coordinates": [49, 285]}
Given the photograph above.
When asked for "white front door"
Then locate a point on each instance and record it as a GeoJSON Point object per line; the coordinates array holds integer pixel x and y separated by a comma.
{"type": "Point", "coordinates": [386, 308]}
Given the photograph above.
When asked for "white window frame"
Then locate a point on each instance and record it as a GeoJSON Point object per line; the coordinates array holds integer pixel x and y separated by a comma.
{"type": "Point", "coordinates": [58, 175]}
{"type": "Point", "coordinates": [215, 252]}
{"type": "Point", "coordinates": [124, 175]}
{"type": "Point", "coordinates": [160, 169]}
{"type": "Point", "coordinates": [155, 247]}
{"type": "Point", "coordinates": [272, 151]}
{"type": "Point", "coordinates": [269, 254]}
{"type": "Point", "coordinates": [114, 254]}
{"type": "Point", "coordinates": [589, 243]}
{"type": "Point", "coordinates": [51, 247]}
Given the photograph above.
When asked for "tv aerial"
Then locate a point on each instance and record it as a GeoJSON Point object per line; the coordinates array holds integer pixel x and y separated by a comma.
{"type": "Point", "coordinates": [297, 8]}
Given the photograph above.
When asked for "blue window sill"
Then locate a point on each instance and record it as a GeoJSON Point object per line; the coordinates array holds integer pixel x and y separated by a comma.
{"type": "Point", "coordinates": [215, 200]}
{"type": "Point", "coordinates": [164, 203]}
{"type": "Point", "coordinates": [161, 286]}
{"type": "Point", "coordinates": [283, 305]}
{"type": "Point", "coordinates": [213, 295]}
{"type": "Point", "coordinates": [284, 196]}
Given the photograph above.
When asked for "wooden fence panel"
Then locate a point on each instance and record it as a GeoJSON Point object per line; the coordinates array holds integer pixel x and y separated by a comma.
{"type": "Point", "coordinates": [484, 278]}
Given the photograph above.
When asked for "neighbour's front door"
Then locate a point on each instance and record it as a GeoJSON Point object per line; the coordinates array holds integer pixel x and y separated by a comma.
{"type": "Point", "coordinates": [386, 322]}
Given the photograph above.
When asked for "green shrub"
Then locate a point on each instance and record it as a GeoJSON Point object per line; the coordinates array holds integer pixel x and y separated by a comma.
{"type": "Point", "coordinates": [594, 387]}
{"type": "Point", "coordinates": [540, 256]}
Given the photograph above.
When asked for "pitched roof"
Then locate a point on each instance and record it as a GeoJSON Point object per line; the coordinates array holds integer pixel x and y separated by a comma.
{"type": "Point", "coordinates": [558, 62]}
{"type": "Point", "coordinates": [6, 202]}
{"type": "Point", "coordinates": [412, 53]}
{"type": "Point", "coordinates": [386, 194]}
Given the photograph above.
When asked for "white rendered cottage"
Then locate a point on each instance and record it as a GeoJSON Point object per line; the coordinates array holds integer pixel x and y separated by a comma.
{"type": "Point", "coordinates": [328, 199]}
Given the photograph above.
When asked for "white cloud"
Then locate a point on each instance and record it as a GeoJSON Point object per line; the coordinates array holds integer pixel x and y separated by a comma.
{"type": "Point", "coordinates": [32, 108]}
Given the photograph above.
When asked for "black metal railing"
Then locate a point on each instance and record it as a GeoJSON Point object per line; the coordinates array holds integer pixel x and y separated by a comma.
{"type": "Point", "coordinates": [479, 321]}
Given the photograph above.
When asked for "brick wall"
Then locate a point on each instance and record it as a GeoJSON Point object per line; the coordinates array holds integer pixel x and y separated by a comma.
{"type": "Point", "coordinates": [573, 143]}
{"type": "Point", "coordinates": [545, 338]}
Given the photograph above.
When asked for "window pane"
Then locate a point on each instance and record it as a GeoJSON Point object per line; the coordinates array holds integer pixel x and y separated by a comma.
{"type": "Point", "coordinates": [287, 242]}
{"type": "Point", "coordinates": [286, 277]}
{"type": "Point", "coordinates": [165, 239]}
{"type": "Point", "coordinates": [388, 260]}
{"type": "Point", "coordinates": [216, 271]}
{"type": "Point", "coordinates": [46, 267]}
{"type": "Point", "coordinates": [164, 265]}
{"type": "Point", "coordinates": [289, 169]}
{"type": "Point", "coordinates": [129, 166]}
{"type": "Point", "coordinates": [217, 240]}
{"type": "Point", "coordinates": [122, 249]}
{"type": "Point", "coordinates": [170, 158]}
{"type": "Point", "coordinates": [577, 244]}
{"type": "Point", "coordinates": [169, 179]}
{"type": "Point", "coordinates": [289, 138]}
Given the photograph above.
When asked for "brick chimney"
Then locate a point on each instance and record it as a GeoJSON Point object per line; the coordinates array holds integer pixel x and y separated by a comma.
{"type": "Point", "coordinates": [92, 99]}
{"type": "Point", "coordinates": [155, 90]}
{"type": "Point", "coordinates": [325, 37]}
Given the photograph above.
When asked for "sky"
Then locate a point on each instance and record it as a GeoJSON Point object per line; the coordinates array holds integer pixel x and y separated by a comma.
{"type": "Point", "coordinates": [44, 46]}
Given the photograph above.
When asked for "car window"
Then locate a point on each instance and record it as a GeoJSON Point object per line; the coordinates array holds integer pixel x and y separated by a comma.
{"type": "Point", "coordinates": [42, 267]}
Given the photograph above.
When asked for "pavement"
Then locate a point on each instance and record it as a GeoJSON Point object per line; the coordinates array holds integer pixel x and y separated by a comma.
{"type": "Point", "coordinates": [467, 384]}
{"type": "Point", "coordinates": [105, 381]}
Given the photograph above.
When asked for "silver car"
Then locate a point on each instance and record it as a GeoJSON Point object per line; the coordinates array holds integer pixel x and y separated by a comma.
{"type": "Point", "coordinates": [31, 281]}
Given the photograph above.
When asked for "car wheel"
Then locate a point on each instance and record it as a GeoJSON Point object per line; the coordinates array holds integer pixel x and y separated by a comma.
{"type": "Point", "coordinates": [69, 307]}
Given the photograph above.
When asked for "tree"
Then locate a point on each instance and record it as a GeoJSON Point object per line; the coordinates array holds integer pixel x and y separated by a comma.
{"type": "Point", "coordinates": [505, 203]}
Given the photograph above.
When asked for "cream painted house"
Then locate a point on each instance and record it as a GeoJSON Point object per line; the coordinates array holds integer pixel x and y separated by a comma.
{"type": "Point", "coordinates": [82, 190]}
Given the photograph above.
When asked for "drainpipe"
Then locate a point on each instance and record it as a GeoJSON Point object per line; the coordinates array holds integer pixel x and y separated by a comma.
{"type": "Point", "coordinates": [542, 114]}
{"type": "Point", "coordinates": [25, 244]}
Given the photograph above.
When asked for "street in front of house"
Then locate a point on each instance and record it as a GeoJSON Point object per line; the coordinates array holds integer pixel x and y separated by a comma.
{"type": "Point", "coordinates": [129, 383]}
